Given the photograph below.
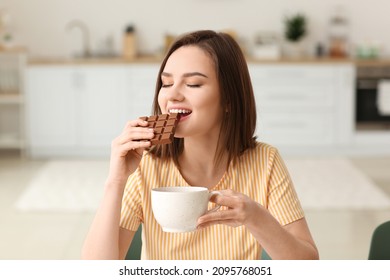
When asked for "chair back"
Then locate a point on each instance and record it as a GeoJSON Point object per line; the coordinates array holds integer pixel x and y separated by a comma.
{"type": "Point", "coordinates": [380, 243]}
{"type": "Point", "coordinates": [134, 252]}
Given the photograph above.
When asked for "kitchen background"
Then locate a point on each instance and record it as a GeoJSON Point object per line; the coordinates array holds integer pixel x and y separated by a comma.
{"type": "Point", "coordinates": [70, 77]}
{"type": "Point", "coordinates": [40, 24]}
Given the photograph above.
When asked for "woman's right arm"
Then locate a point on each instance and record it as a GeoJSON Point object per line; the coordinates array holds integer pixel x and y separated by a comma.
{"type": "Point", "coordinates": [105, 239]}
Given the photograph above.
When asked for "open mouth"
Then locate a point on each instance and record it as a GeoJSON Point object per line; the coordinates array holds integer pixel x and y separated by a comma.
{"type": "Point", "coordinates": [182, 112]}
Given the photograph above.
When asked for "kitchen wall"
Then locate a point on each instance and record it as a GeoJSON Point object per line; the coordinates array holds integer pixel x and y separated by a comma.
{"type": "Point", "coordinates": [40, 24]}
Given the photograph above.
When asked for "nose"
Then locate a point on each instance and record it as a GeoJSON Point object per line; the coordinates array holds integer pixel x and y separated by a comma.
{"type": "Point", "coordinates": [174, 93]}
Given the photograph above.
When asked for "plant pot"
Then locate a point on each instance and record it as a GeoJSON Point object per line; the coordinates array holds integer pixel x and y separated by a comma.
{"type": "Point", "coordinates": [293, 49]}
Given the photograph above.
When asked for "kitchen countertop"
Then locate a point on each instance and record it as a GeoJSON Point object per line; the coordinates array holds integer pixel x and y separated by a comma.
{"type": "Point", "coordinates": [158, 59]}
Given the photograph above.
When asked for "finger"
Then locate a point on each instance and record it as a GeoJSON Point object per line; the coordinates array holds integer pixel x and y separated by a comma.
{"type": "Point", "coordinates": [232, 223]}
{"type": "Point", "coordinates": [134, 129]}
{"type": "Point", "coordinates": [137, 122]}
{"type": "Point", "coordinates": [137, 153]}
{"type": "Point", "coordinates": [136, 134]}
{"type": "Point", "coordinates": [133, 148]}
{"type": "Point", "coordinates": [123, 146]}
{"type": "Point", "coordinates": [136, 145]}
{"type": "Point", "coordinates": [225, 199]}
{"type": "Point", "coordinates": [228, 192]}
{"type": "Point", "coordinates": [217, 216]}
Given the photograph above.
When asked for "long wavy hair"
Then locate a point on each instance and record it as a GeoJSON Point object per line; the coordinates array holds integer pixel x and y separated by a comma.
{"type": "Point", "coordinates": [237, 98]}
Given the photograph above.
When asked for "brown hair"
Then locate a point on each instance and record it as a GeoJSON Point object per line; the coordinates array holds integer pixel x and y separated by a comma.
{"type": "Point", "coordinates": [239, 123]}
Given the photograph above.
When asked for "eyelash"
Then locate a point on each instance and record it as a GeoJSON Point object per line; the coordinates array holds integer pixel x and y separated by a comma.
{"type": "Point", "coordinates": [194, 86]}
{"type": "Point", "coordinates": [191, 86]}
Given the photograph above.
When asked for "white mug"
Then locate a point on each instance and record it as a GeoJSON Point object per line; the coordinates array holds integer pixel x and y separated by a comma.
{"type": "Point", "coordinates": [177, 209]}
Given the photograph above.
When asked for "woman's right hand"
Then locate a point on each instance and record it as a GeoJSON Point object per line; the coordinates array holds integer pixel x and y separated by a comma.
{"type": "Point", "coordinates": [127, 150]}
{"type": "Point", "coordinates": [105, 239]}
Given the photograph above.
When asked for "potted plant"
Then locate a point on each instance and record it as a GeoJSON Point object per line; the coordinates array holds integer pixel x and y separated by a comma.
{"type": "Point", "coordinates": [295, 31]}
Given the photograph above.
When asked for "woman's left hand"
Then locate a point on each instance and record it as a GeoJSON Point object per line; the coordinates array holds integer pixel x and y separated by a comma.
{"type": "Point", "coordinates": [241, 210]}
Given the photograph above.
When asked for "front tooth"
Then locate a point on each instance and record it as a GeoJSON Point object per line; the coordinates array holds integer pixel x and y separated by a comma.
{"type": "Point", "coordinates": [180, 111]}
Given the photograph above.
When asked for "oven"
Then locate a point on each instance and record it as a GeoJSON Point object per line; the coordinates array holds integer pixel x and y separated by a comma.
{"type": "Point", "coordinates": [368, 115]}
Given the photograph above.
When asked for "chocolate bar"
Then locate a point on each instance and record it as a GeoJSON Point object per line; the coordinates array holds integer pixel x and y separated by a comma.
{"type": "Point", "coordinates": [164, 127]}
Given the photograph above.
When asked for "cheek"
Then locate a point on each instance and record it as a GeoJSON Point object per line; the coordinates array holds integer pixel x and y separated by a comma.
{"type": "Point", "coordinates": [212, 111]}
{"type": "Point", "coordinates": [212, 103]}
{"type": "Point", "coordinates": [161, 101]}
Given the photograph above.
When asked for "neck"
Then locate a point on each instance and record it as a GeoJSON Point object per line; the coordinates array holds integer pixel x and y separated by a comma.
{"type": "Point", "coordinates": [201, 155]}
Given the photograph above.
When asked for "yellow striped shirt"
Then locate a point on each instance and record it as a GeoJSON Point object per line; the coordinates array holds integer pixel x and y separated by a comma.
{"type": "Point", "coordinates": [260, 174]}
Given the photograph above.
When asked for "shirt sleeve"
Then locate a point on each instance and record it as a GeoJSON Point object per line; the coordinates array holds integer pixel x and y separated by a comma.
{"type": "Point", "coordinates": [283, 202]}
{"type": "Point", "coordinates": [131, 212]}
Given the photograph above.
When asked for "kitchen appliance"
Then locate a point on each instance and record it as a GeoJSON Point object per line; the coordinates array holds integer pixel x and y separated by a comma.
{"type": "Point", "coordinates": [368, 113]}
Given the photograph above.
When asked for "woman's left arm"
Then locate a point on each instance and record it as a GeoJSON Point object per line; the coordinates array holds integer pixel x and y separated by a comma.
{"type": "Point", "coordinates": [292, 241]}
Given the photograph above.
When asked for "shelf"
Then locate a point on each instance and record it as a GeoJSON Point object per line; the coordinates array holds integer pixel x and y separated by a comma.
{"type": "Point", "coordinates": [13, 50]}
{"type": "Point", "coordinates": [11, 98]}
{"type": "Point", "coordinates": [8, 142]}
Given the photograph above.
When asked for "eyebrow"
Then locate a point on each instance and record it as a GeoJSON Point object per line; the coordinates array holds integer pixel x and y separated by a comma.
{"type": "Point", "coordinates": [185, 75]}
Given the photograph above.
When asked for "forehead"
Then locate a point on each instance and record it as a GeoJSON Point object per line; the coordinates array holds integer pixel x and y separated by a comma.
{"type": "Point", "coordinates": [189, 59]}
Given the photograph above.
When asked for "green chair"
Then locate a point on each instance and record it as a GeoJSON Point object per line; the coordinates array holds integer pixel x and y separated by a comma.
{"type": "Point", "coordinates": [380, 243]}
{"type": "Point", "coordinates": [134, 252]}
{"type": "Point", "coordinates": [264, 255]}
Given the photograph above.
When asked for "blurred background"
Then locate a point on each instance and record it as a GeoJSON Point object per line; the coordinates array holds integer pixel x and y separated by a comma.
{"type": "Point", "coordinates": [73, 72]}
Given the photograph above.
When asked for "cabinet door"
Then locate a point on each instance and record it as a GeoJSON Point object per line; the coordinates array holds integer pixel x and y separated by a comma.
{"type": "Point", "coordinates": [295, 104]}
{"type": "Point", "coordinates": [140, 88]}
{"type": "Point", "coordinates": [294, 87]}
{"type": "Point", "coordinates": [76, 110]}
{"type": "Point", "coordinates": [50, 107]}
{"type": "Point", "coordinates": [296, 129]}
{"type": "Point", "coordinates": [102, 106]}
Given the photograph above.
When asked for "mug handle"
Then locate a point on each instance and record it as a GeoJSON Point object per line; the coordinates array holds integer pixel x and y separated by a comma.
{"type": "Point", "coordinates": [216, 207]}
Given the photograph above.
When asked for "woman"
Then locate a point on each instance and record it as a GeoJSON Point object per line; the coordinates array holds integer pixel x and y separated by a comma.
{"type": "Point", "coordinates": [204, 77]}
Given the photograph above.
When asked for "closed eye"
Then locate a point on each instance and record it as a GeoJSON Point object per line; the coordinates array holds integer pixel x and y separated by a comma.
{"type": "Point", "coordinates": [166, 85]}
{"type": "Point", "coordinates": [193, 85]}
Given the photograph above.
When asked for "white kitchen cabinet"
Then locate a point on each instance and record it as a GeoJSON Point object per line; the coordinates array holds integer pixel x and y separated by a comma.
{"type": "Point", "coordinates": [140, 85]}
{"type": "Point", "coordinates": [12, 65]}
{"type": "Point", "coordinates": [50, 108]}
{"type": "Point", "coordinates": [303, 105]}
{"type": "Point", "coordinates": [102, 107]}
{"type": "Point", "coordinates": [74, 110]}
